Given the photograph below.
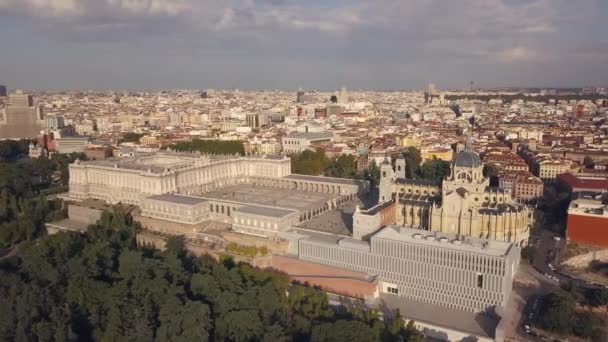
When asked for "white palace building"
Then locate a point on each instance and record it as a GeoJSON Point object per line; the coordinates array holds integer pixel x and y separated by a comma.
{"type": "Point", "coordinates": [258, 195]}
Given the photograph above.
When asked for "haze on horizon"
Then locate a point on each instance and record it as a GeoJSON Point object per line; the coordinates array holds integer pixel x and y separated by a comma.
{"type": "Point", "coordinates": [283, 44]}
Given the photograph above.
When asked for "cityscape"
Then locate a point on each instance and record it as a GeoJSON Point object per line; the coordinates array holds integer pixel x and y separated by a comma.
{"type": "Point", "coordinates": [354, 208]}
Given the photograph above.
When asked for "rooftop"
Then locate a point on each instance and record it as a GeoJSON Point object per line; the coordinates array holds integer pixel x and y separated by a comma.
{"type": "Point", "coordinates": [179, 199]}
{"type": "Point", "coordinates": [322, 179]}
{"type": "Point", "coordinates": [258, 195]}
{"type": "Point", "coordinates": [265, 211]}
{"type": "Point", "coordinates": [310, 135]}
{"type": "Point", "coordinates": [445, 240]}
{"type": "Point", "coordinates": [473, 323]}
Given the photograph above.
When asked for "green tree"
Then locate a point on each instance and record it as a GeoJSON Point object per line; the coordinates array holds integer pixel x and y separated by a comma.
{"type": "Point", "coordinates": [528, 253]}
{"type": "Point", "coordinates": [343, 330]}
{"type": "Point", "coordinates": [210, 146]}
{"type": "Point", "coordinates": [309, 162]}
{"type": "Point", "coordinates": [130, 137]}
{"type": "Point", "coordinates": [239, 325]}
{"type": "Point", "coordinates": [491, 171]}
{"type": "Point", "coordinates": [413, 160]}
{"type": "Point", "coordinates": [435, 170]}
{"type": "Point", "coordinates": [557, 312]}
{"type": "Point", "coordinates": [588, 162]}
{"type": "Point", "coordinates": [342, 167]}
{"type": "Point", "coordinates": [372, 174]}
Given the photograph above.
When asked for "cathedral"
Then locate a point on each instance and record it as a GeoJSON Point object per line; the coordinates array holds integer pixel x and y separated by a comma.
{"type": "Point", "coordinates": [463, 204]}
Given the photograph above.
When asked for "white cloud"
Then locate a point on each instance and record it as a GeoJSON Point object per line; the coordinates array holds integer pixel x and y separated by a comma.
{"type": "Point", "coordinates": [62, 9]}
{"type": "Point", "coordinates": [517, 54]}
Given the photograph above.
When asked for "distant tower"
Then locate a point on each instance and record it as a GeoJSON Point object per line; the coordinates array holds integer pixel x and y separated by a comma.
{"type": "Point", "coordinates": [300, 96]}
{"type": "Point", "coordinates": [400, 167]}
{"type": "Point", "coordinates": [343, 97]}
{"type": "Point", "coordinates": [2, 91]}
{"type": "Point", "coordinates": [431, 91]}
{"type": "Point", "coordinates": [387, 177]}
{"type": "Point", "coordinates": [22, 117]}
{"type": "Point", "coordinates": [472, 84]}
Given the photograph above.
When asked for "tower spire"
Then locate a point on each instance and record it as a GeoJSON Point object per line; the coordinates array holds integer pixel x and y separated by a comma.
{"type": "Point", "coordinates": [468, 144]}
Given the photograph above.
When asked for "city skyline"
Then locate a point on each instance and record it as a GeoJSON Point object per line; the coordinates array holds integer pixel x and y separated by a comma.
{"type": "Point", "coordinates": [158, 44]}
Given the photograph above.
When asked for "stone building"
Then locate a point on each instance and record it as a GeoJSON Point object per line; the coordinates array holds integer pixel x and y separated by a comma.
{"type": "Point", "coordinates": [255, 195]}
{"type": "Point", "coordinates": [464, 204]}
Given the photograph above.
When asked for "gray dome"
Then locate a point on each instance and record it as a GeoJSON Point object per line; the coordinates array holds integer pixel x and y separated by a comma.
{"type": "Point", "coordinates": [467, 158]}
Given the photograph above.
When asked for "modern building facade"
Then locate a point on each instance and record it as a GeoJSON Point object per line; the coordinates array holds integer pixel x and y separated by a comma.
{"type": "Point", "coordinates": [464, 273]}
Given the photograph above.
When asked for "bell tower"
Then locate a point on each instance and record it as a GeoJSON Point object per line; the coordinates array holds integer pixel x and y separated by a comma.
{"type": "Point", "coordinates": [387, 178]}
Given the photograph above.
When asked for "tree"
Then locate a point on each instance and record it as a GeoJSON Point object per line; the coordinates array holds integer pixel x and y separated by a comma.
{"type": "Point", "coordinates": [435, 170]}
{"type": "Point", "coordinates": [557, 312]}
{"type": "Point", "coordinates": [528, 253]}
{"type": "Point", "coordinates": [333, 99]}
{"type": "Point", "coordinates": [309, 162]}
{"type": "Point", "coordinates": [210, 146]}
{"type": "Point", "coordinates": [343, 330]}
{"type": "Point", "coordinates": [372, 174]}
{"type": "Point", "coordinates": [239, 325]}
{"type": "Point", "coordinates": [131, 137]}
{"type": "Point", "coordinates": [342, 167]}
{"type": "Point", "coordinates": [588, 162]}
{"type": "Point", "coordinates": [491, 171]}
{"type": "Point", "coordinates": [598, 297]}
{"type": "Point", "coordinates": [413, 160]}
{"type": "Point", "coordinates": [587, 325]}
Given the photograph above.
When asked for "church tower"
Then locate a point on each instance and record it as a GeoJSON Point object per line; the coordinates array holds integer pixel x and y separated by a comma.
{"type": "Point", "coordinates": [400, 167]}
{"type": "Point", "coordinates": [387, 177]}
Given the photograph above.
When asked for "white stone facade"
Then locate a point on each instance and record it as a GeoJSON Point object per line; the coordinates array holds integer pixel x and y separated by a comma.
{"type": "Point", "coordinates": [131, 179]}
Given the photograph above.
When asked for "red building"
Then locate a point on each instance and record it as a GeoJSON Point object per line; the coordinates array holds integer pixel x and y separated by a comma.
{"type": "Point", "coordinates": [584, 182]}
{"type": "Point", "coordinates": [588, 222]}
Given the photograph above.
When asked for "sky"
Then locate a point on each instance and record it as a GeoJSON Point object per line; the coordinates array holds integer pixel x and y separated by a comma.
{"type": "Point", "coordinates": [314, 44]}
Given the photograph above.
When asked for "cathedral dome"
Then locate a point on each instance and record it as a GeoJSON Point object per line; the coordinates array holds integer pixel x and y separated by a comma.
{"type": "Point", "coordinates": [467, 157]}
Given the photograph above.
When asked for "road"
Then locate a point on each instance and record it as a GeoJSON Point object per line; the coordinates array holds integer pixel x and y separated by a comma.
{"type": "Point", "coordinates": [549, 252]}
{"type": "Point", "coordinates": [533, 282]}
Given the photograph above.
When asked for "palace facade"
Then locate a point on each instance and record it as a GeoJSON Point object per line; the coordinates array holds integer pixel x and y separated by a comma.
{"type": "Point", "coordinates": [256, 195]}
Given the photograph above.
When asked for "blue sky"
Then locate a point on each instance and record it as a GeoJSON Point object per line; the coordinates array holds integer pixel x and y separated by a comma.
{"type": "Point", "coordinates": [283, 44]}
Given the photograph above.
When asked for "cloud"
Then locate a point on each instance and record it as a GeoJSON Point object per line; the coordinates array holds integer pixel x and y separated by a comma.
{"type": "Point", "coordinates": [438, 40]}
{"type": "Point", "coordinates": [517, 54]}
{"type": "Point", "coordinates": [89, 8]}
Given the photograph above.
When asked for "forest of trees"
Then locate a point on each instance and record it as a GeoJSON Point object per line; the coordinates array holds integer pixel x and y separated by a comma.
{"type": "Point", "coordinates": [435, 170]}
{"type": "Point", "coordinates": [24, 184]}
{"type": "Point", "coordinates": [560, 314]}
{"type": "Point", "coordinates": [131, 137]}
{"type": "Point", "coordinates": [552, 209]}
{"type": "Point", "coordinates": [316, 163]}
{"type": "Point", "coordinates": [210, 146]}
{"type": "Point", "coordinates": [101, 286]}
